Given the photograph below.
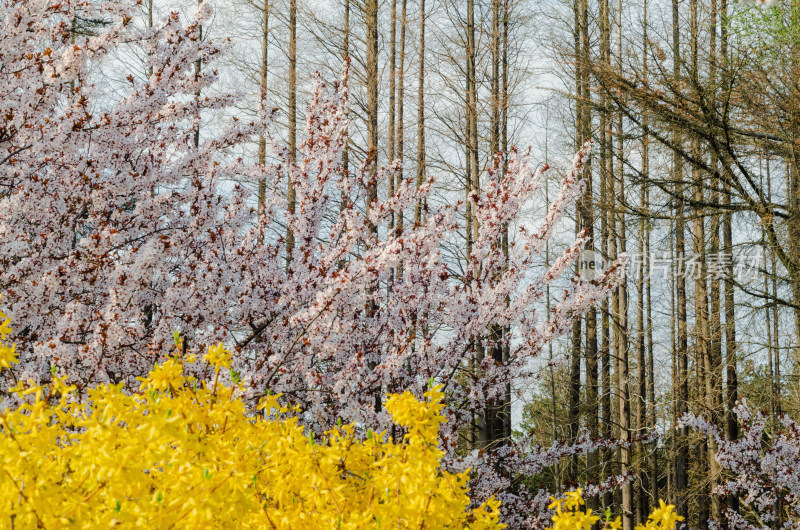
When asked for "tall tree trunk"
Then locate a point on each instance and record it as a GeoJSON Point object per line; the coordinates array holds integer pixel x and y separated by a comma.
{"type": "Point", "coordinates": [681, 380]}
{"type": "Point", "coordinates": [606, 179]}
{"type": "Point", "coordinates": [392, 108]}
{"type": "Point", "coordinates": [495, 80]}
{"type": "Point", "coordinates": [673, 335]}
{"type": "Point", "coordinates": [775, 361]}
{"type": "Point", "coordinates": [586, 206]}
{"type": "Point", "coordinates": [401, 72]}
{"type": "Point", "coordinates": [150, 26]}
{"type": "Point", "coordinates": [573, 416]}
{"type": "Point", "coordinates": [473, 186]}
{"type": "Point", "coordinates": [768, 306]}
{"type": "Point", "coordinates": [642, 508]}
{"type": "Point", "coordinates": [290, 192]}
{"type": "Point", "coordinates": [262, 139]}
{"type": "Point", "coordinates": [371, 163]}
{"type": "Point", "coordinates": [392, 92]}
{"type": "Point", "coordinates": [731, 376]}
{"type": "Point", "coordinates": [346, 57]}
{"type": "Point", "coordinates": [642, 502]}
{"type": "Point", "coordinates": [496, 413]}
{"type": "Point", "coordinates": [504, 148]}
{"type": "Point", "coordinates": [793, 223]}
{"type": "Point", "coordinates": [420, 112]}
{"type": "Point", "coordinates": [651, 385]}
{"type": "Point", "coordinates": [551, 364]}
{"type": "Point", "coordinates": [701, 335]}
{"type": "Point", "coordinates": [714, 350]}
{"type": "Point", "coordinates": [198, 66]}
{"type": "Point", "coordinates": [621, 318]}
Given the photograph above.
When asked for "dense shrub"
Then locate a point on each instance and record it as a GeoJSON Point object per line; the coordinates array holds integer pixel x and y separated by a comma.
{"type": "Point", "coordinates": [184, 453]}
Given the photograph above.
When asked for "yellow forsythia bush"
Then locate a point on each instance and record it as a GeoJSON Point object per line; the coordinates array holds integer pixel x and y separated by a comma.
{"type": "Point", "coordinates": [571, 515]}
{"type": "Point", "coordinates": [182, 453]}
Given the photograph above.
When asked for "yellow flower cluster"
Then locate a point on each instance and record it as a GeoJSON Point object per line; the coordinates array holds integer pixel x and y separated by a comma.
{"type": "Point", "coordinates": [571, 516]}
{"type": "Point", "coordinates": [8, 354]}
{"type": "Point", "coordinates": [181, 453]}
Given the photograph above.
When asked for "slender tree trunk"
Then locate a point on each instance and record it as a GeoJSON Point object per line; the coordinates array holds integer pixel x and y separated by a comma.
{"type": "Point", "coordinates": [586, 206]}
{"type": "Point", "coordinates": [674, 389]}
{"type": "Point", "coordinates": [371, 163]}
{"type": "Point", "coordinates": [346, 57]}
{"type": "Point", "coordinates": [775, 361]}
{"type": "Point", "coordinates": [198, 67]}
{"type": "Point", "coordinates": [262, 139]}
{"type": "Point", "coordinates": [473, 186]}
{"type": "Point", "coordinates": [642, 508]}
{"type": "Point", "coordinates": [504, 148]}
{"type": "Point", "coordinates": [371, 19]}
{"type": "Point", "coordinates": [642, 502]}
{"type": "Point", "coordinates": [420, 112]}
{"type": "Point", "coordinates": [701, 335]}
{"type": "Point", "coordinates": [731, 347]}
{"type": "Point", "coordinates": [575, 362]}
{"type": "Point", "coordinates": [497, 420]}
{"type": "Point", "coordinates": [731, 379]}
{"type": "Point", "coordinates": [793, 222]}
{"type": "Point", "coordinates": [469, 79]}
{"type": "Point", "coordinates": [768, 306]}
{"type": "Point", "coordinates": [346, 149]}
{"type": "Point", "coordinates": [553, 397]}
{"type": "Point", "coordinates": [651, 385]}
{"type": "Point", "coordinates": [392, 109]}
{"type": "Point", "coordinates": [392, 90]}
{"type": "Point", "coordinates": [150, 26]}
{"type": "Point", "coordinates": [472, 96]}
{"type": "Point", "coordinates": [495, 80]}
{"type": "Point", "coordinates": [714, 364]}
{"type": "Point", "coordinates": [606, 176]}
{"type": "Point", "coordinates": [682, 378]}
{"type": "Point", "coordinates": [651, 392]}
{"type": "Point", "coordinates": [290, 192]}
{"type": "Point", "coordinates": [401, 72]}
{"type": "Point", "coordinates": [622, 342]}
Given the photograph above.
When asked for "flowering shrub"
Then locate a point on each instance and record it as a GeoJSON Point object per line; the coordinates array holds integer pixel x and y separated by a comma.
{"type": "Point", "coordinates": [191, 454]}
{"type": "Point", "coordinates": [762, 468]}
{"type": "Point", "coordinates": [571, 516]}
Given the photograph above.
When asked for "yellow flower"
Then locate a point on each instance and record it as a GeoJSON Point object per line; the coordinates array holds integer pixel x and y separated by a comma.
{"type": "Point", "coordinates": [570, 516]}
{"type": "Point", "coordinates": [8, 353]}
{"type": "Point", "coordinates": [193, 457]}
{"type": "Point", "coordinates": [218, 357]}
{"type": "Point", "coordinates": [664, 517]}
{"type": "Point", "coordinates": [5, 329]}
{"type": "Point", "coordinates": [169, 372]}
{"type": "Point", "coordinates": [8, 356]}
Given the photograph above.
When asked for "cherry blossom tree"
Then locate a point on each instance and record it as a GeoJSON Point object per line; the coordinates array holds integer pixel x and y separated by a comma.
{"type": "Point", "coordinates": [105, 205]}
{"type": "Point", "coordinates": [762, 466]}
{"type": "Point", "coordinates": [118, 229]}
